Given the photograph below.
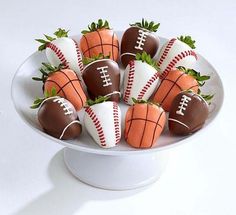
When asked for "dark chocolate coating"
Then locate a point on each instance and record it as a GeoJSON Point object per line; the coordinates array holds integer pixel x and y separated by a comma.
{"type": "Point", "coordinates": [194, 116]}
{"type": "Point", "coordinates": [53, 120]}
{"type": "Point", "coordinates": [129, 41]}
{"type": "Point", "coordinates": [97, 84]}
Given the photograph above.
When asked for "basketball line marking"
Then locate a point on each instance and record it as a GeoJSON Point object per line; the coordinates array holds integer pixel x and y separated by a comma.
{"type": "Point", "coordinates": [145, 124]}
{"type": "Point", "coordinates": [104, 44]}
{"type": "Point", "coordinates": [100, 41]}
{"type": "Point", "coordinates": [87, 45]}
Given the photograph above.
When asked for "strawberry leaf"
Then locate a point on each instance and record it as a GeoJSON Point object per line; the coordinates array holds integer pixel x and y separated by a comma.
{"type": "Point", "coordinates": [187, 40]}
{"type": "Point", "coordinates": [144, 57]}
{"type": "Point", "coordinates": [96, 26]}
{"type": "Point", "coordinates": [150, 26]}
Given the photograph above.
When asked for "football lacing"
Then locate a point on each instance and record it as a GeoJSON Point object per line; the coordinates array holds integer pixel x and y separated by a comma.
{"type": "Point", "coordinates": [105, 76]}
{"type": "Point", "coordinates": [183, 105]}
{"type": "Point", "coordinates": [141, 39]}
{"type": "Point", "coordinates": [64, 104]}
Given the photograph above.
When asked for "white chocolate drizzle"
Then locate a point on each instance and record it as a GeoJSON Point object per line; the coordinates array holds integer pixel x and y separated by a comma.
{"type": "Point", "coordinates": [141, 39]}
{"type": "Point", "coordinates": [183, 105]}
{"type": "Point", "coordinates": [63, 104]}
{"type": "Point", "coordinates": [104, 76]}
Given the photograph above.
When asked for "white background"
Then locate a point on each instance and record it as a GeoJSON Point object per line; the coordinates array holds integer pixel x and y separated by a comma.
{"type": "Point", "coordinates": [201, 175]}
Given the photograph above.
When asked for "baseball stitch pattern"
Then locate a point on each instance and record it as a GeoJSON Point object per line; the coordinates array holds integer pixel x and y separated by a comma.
{"type": "Point", "coordinates": [130, 81]}
{"type": "Point", "coordinates": [177, 58]}
{"type": "Point", "coordinates": [116, 122]}
{"type": "Point", "coordinates": [79, 57]}
{"type": "Point", "coordinates": [97, 125]}
{"type": "Point", "coordinates": [166, 51]}
{"type": "Point", "coordinates": [59, 54]}
{"type": "Point", "coordinates": [148, 85]}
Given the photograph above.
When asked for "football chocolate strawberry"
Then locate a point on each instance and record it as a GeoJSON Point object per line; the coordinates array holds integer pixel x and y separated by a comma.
{"type": "Point", "coordinates": [188, 113]}
{"type": "Point", "coordinates": [138, 38]}
{"type": "Point", "coordinates": [144, 122]}
{"type": "Point", "coordinates": [140, 78]}
{"type": "Point", "coordinates": [58, 117]}
{"type": "Point", "coordinates": [66, 83]}
{"type": "Point", "coordinates": [102, 78]}
{"type": "Point", "coordinates": [62, 50]}
{"type": "Point", "coordinates": [99, 38]}
{"type": "Point", "coordinates": [176, 81]}
{"type": "Point", "coordinates": [177, 52]}
{"type": "Point", "coordinates": [102, 120]}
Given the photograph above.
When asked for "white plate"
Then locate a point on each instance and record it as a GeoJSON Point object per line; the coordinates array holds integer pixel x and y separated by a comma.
{"type": "Point", "coordinates": [25, 90]}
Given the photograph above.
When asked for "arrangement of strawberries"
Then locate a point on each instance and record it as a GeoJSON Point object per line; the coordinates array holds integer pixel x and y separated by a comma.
{"type": "Point", "coordinates": [84, 74]}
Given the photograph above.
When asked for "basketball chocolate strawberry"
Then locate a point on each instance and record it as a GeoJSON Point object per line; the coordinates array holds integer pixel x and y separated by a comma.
{"type": "Point", "coordinates": [138, 38]}
{"type": "Point", "coordinates": [102, 77]}
{"type": "Point", "coordinates": [188, 112]}
{"type": "Point", "coordinates": [144, 122]}
{"type": "Point", "coordinates": [62, 50]}
{"type": "Point", "coordinates": [177, 52]}
{"type": "Point", "coordinates": [57, 116]}
{"type": "Point", "coordinates": [176, 81]}
{"type": "Point", "coordinates": [140, 78]}
{"type": "Point", "coordinates": [99, 38]}
{"type": "Point", "coordinates": [66, 83]}
{"type": "Point", "coordinates": [102, 120]}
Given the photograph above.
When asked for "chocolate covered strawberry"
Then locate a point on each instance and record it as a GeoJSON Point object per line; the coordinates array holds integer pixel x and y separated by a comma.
{"type": "Point", "coordinates": [57, 116]}
{"type": "Point", "coordinates": [188, 113]}
{"type": "Point", "coordinates": [177, 80]}
{"type": "Point", "coordinates": [140, 78]}
{"type": "Point", "coordinates": [102, 78]}
{"type": "Point", "coordinates": [102, 120]}
{"type": "Point", "coordinates": [62, 50]}
{"type": "Point", "coordinates": [177, 52]}
{"type": "Point", "coordinates": [66, 83]}
{"type": "Point", "coordinates": [99, 38]}
{"type": "Point", "coordinates": [144, 123]}
{"type": "Point", "coordinates": [138, 38]}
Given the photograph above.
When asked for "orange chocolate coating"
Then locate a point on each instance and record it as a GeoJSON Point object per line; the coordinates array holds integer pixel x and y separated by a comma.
{"type": "Point", "coordinates": [67, 86]}
{"type": "Point", "coordinates": [143, 125]}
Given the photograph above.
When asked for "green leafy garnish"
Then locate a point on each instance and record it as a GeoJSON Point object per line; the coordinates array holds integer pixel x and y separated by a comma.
{"type": "Point", "coordinates": [144, 57]}
{"type": "Point", "coordinates": [196, 75]}
{"type": "Point", "coordinates": [87, 60]}
{"type": "Point", "coordinates": [46, 70]}
{"type": "Point", "coordinates": [188, 40]}
{"type": "Point", "coordinates": [98, 100]}
{"type": "Point", "coordinates": [59, 34]}
{"type": "Point", "coordinates": [150, 26]}
{"type": "Point", "coordinates": [95, 26]}
{"type": "Point", "coordinates": [206, 97]}
{"type": "Point", "coordinates": [47, 94]}
{"type": "Point", "coordinates": [141, 101]}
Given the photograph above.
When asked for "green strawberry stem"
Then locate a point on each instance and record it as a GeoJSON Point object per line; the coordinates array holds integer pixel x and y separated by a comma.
{"type": "Point", "coordinates": [144, 57]}
{"type": "Point", "coordinates": [46, 70]}
{"type": "Point", "coordinates": [141, 101]}
{"type": "Point", "coordinates": [59, 34]}
{"type": "Point", "coordinates": [187, 40]}
{"type": "Point", "coordinates": [196, 75]}
{"type": "Point", "coordinates": [98, 100]}
{"type": "Point", "coordinates": [47, 94]}
{"type": "Point", "coordinates": [87, 60]}
{"type": "Point", "coordinates": [150, 26]}
{"type": "Point", "coordinates": [95, 26]}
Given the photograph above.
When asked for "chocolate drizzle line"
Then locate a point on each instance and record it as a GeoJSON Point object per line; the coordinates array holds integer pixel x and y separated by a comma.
{"type": "Point", "coordinates": [145, 124]}
{"type": "Point", "coordinates": [87, 45]}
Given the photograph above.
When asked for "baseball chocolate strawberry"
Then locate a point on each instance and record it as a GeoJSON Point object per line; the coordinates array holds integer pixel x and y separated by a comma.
{"type": "Point", "coordinates": [144, 123]}
{"type": "Point", "coordinates": [62, 50]}
{"type": "Point", "coordinates": [66, 83]}
{"type": "Point", "coordinates": [99, 38]}
{"type": "Point", "coordinates": [57, 116]}
{"type": "Point", "coordinates": [176, 81]}
{"type": "Point", "coordinates": [188, 113]}
{"type": "Point", "coordinates": [140, 78]}
{"type": "Point", "coordinates": [102, 120]}
{"type": "Point", "coordinates": [138, 38]}
{"type": "Point", "coordinates": [177, 52]}
{"type": "Point", "coordinates": [102, 77]}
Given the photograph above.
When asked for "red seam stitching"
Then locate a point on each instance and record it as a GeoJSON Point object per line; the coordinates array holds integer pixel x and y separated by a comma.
{"type": "Point", "coordinates": [177, 58]}
{"type": "Point", "coordinates": [79, 57]}
{"type": "Point", "coordinates": [166, 51]}
{"type": "Point", "coordinates": [97, 125]}
{"type": "Point", "coordinates": [130, 81]}
{"type": "Point", "coordinates": [59, 54]}
{"type": "Point", "coordinates": [148, 85]}
{"type": "Point", "coordinates": [116, 122]}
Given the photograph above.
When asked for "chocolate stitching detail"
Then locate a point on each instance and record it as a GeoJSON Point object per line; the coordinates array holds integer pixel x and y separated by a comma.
{"type": "Point", "coordinates": [116, 122]}
{"type": "Point", "coordinates": [79, 57]}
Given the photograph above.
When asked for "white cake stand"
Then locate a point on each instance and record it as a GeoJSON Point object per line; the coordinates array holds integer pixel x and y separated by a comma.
{"type": "Point", "coordinates": [117, 168]}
